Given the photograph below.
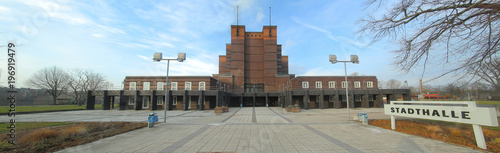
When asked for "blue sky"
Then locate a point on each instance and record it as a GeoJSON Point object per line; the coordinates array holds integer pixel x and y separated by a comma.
{"type": "Point", "coordinates": [119, 38]}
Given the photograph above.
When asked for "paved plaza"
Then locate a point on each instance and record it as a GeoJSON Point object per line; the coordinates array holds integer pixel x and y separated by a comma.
{"type": "Point", "coordinates": [248, 129]}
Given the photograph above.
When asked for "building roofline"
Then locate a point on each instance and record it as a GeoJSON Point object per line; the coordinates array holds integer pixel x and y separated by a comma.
{"type": "Point", "coordinates": [165, 76]}
{"type": "Point", "coordinates": [332, 76]}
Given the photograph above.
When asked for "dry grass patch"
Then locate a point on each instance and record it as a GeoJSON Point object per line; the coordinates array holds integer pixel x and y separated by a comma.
{"type": "Point", "coordinates": [460, 134]}
{"type": "Point", "coordinates": [57, 138]}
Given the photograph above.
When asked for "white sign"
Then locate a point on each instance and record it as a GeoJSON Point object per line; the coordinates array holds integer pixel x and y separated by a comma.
{"type": "Point", "coordinates": [470, 115]}
{"type": "Point", "coordinates": [465, 112]}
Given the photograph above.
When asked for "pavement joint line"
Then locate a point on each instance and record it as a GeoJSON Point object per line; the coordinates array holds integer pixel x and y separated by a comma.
{"type": "Point", "coordinates": [231, 115]}
{"type": "Point", "coordinates": [281, 116]}
{"type": "Point", "coordinates": [254, 116]}
{"type": "Point", "coordinates": [333, 140]}
{"type": "Point", "coordinates": [186, 139]}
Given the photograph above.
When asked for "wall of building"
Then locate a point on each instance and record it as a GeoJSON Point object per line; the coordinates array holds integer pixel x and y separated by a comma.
{"type": "Point", "coordinates": [210, 83]}
{"type": "Point", "coordinates": [325, 80]}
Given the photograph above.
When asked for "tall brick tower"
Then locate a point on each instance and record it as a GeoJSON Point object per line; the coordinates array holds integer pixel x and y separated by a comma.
{"type": "Point", "coordinates": [253, 61]}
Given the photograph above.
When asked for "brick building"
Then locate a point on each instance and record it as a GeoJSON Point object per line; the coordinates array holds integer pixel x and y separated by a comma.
{"type": "Point", "coordinates": [253, 72]}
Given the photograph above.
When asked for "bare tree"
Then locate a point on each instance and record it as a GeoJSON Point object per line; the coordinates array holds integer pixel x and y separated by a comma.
{"type": "Point", "coordinates": [393, 84]}
{"type": "Point", "coordinates": [490, 72]}
{"type": "Point", "coordinates": [82, 81]}
{"type": "Point", "coordinates": [462, 32]}
{"type": "Point", "coordinates": [52, 79]}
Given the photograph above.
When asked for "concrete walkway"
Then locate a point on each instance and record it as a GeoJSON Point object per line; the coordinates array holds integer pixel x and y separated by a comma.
{"type": "Point", "coordinates": [261, 129]}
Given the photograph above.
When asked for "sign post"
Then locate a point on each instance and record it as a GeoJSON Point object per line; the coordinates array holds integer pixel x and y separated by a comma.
{"type": "Point", "coordinates": [459, 111]}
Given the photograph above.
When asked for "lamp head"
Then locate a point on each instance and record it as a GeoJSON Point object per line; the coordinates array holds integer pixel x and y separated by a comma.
{"type": "Point", "coordinates": [157, 57]}
{"type": "Point", "coordinates": [354, 59]}
{"type": "Point", "coordinates": [181, 57]}
{"type": "Point", "coordinates": [333, 59]}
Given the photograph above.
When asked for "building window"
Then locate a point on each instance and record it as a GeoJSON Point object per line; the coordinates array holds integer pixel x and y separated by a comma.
{"type": "Point", "coordinates": [344, 84]}
{"type": "Point", "coordinates": [331, 84]}
{"type": "Point", "coordinates": [357, 84]}
{"type": "Point", "coordinates": [173, 86]}
{"type": "Point", "coordinates": [228, 66]}
{"type": "Point", "coordinates": [145, 102]}
{"type": "Point", "coordinates": [305, 84]}
{"type": "Point", "coordinates": [145, 86]}
{"type": "Point", "coordinates": [132, 86]}
{"type": "Point", "coordinates": [202, 86]}
{"type": "Point", "coordinates": [369, 84]}
{"type": "Point", "coordinates": [357, 98]}
{"type": "Point", "coordinates": [331, 98]}
{"type": "Point", "coordinates": [131, 100]}
{"type": "Point", "coordinates": [228, 59]}
{"type": "Point", "coordinates": [174, 100]}
{"type": "Point", "coordinates": [370, 97]}
{"type": "Point", "coordinates": [188, 86]}
{"type": "Point", "coordinates": [159, 86]}
{"type": "Point", "coordinates": [319, 84]}
{"type": "Point", "coordinates": [159, 100]}
{"type": "Point", "coordinates": [279, 66]}
{"type": "Point", "coordinates": [228, 52]}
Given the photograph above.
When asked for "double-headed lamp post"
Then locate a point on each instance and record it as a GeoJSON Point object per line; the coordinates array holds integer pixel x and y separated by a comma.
{"type": "Point", "coordinates": [354, 59]}
{"type": "Point", "coordinates": [157, 58]}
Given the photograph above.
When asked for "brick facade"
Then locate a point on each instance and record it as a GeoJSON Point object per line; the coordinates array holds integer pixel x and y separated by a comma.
{"type": "Point", "coordinates": [252, 73]}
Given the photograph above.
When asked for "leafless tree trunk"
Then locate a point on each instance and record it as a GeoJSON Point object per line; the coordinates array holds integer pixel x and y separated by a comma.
{"type": "Point", "coordinates": [462, 32]}
{"type": "Point", "coordinates": [82, 81]}
{"type": "Point", "coordinates": [54, 80]}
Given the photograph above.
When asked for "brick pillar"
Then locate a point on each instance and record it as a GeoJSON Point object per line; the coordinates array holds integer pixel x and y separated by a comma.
{"type": "Point", "coordinates": [379, 100]}
{"type": "Point", "coordinates": [306, 100]}
{"type": "Point", "coordinates": [123, 102]}
{"type": "Point", "coordinates": [336, 102]}
{"type": "Point", "coordinates": [254, 94]}
{"type": "Point", "coordinates": [201, 101]}
{"type": "Point", "coordinates": [106, 101]}
{"type": "Point", "coordinates": [321, 101]}
{"type": "Point", "coordinates": [186, 101]}
{"type": "Point", "coordinates": [406, 97]}
{"type": "Point", "coordinates": [267, 99]}
{"type": "Point", "coordinates": [90, 100]}
{"type": "Point", "coordinates": [351, 98]}
{"type": "Point", "coordinates": [154, 100]}
{"type": "Point", "coordinates": [138, 100]}
{"type": "Point", "coordinates": [364, 100]}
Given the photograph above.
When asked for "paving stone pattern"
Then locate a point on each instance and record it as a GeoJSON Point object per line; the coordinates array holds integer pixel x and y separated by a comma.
{"type": "Point", "coordinates": [248, 129]}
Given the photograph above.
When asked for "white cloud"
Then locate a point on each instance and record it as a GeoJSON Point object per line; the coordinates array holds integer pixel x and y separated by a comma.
{"type": "Point", "coordinates": [259, 17]}
{"type": "Point", "coordinates": [4, 9]}
{"type": "Point", "coordinates": [98, 35]}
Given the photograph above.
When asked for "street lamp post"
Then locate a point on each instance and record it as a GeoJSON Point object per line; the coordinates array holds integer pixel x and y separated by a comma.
{"type": "Point", "coordinates": [157, 58]}
{"type": "Point", "coordinates": [354, 59]}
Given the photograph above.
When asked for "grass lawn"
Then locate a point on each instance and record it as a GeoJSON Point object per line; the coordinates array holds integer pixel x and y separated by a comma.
{"type": "Point", "coordinates": [5, 109]}
{"type": "Point", "coordinates": [22, 126]}
{"type": "Point", "coordinates": [488, 102]}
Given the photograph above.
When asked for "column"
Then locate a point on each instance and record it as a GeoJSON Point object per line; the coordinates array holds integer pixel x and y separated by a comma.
{"type": "Point", "coordinates": [201, 101]}
{"type": "Point", "coordinates": [138, 100]}
{"type": "Point", "coordinates": [321, 101]}
{"type": "Point", "coordinates": [90, 100]}
{"type": "Point", "coordinates": [154, 100]}
{"type": "Point", "coordinates": [364, 100]}
{"type": "Point", "coordinates": [336, 102]}
{"type": "Point", "coordinates": [306, 100]}
{"type": "Point", "coordinates": [123, 102]}
{"type": "Point", "coordinates": [106, 100]}
{"type": "Point", "coordinates": [185, 101]}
